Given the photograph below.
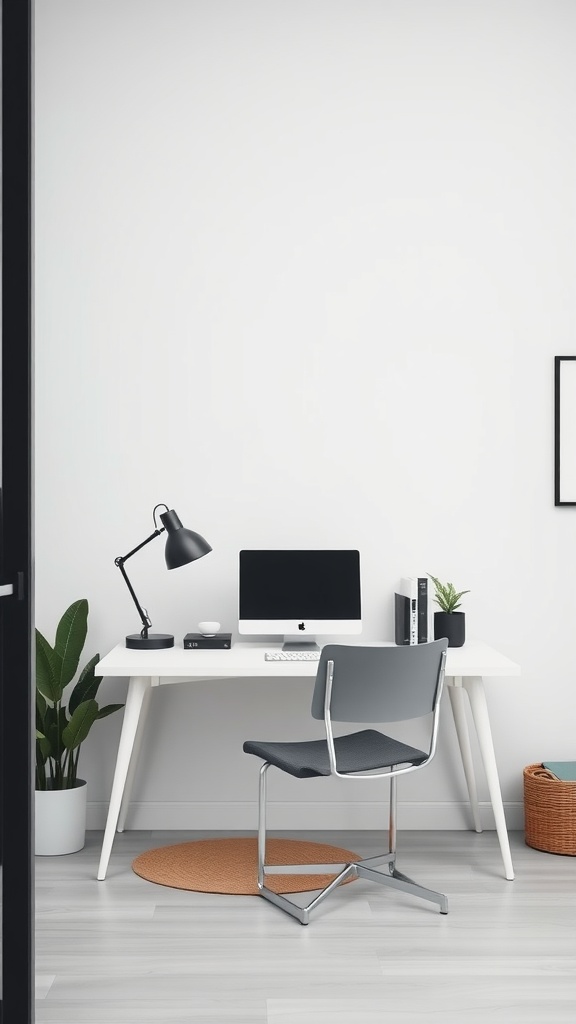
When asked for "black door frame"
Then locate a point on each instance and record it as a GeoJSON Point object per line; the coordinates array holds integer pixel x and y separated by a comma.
{"type": "Point", "coordinates": [16, 526]}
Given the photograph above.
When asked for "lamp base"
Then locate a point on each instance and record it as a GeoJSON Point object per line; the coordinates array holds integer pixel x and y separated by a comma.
{"type": "Point", "coordinates": [153, 642]}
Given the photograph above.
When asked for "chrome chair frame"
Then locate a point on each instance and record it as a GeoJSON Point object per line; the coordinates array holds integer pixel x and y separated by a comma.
{"type": "Point", "coordinates": [367, 868]}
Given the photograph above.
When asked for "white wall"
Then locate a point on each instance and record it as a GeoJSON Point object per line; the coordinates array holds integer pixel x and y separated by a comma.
{"type": "Point", "coordinates": [301, 270]}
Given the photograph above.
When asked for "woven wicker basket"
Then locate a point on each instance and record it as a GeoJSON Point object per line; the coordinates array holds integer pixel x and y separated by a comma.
{"type": "Point", "coordinates": [549, 811]}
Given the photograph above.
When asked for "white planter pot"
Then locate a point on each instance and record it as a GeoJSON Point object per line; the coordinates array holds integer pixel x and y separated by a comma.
{"type": "Point", "coordinates": [60, 820]}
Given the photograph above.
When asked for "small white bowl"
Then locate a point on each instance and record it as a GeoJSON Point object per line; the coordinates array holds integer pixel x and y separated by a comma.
{"type": "Point", "coordinates": [208, 628]}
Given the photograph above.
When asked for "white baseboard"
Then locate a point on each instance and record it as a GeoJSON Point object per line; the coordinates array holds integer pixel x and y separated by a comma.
{"type": "Point", "coordinates": [241, 817]}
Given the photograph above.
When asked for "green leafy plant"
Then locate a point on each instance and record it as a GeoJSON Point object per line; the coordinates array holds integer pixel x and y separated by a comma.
{"type": "Point", "coordinates": [446, 595]}
{"type": "Point", "coordinates": [60, 727]}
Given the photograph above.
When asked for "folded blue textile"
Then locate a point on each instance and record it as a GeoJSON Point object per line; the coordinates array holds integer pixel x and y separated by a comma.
{"type": "Point", "coordinates": [563, 770]}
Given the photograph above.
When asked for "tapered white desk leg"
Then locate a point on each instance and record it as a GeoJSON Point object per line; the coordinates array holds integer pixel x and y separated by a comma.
{"type": "Point", "coordinates": [475, 689]}
{"type": "Point", "coordinates": [137, 690]}
{"type": "Point", "coordinates": [134, 758]}
{"type": "Point", "coordinates": [459, 712]}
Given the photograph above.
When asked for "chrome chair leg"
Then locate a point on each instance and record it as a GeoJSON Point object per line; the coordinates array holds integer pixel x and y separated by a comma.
{"type": "Point", "coordinates": [392, 823]}
{"type": "Point", "coordinates": [367, 868]}
{"type": "Point", "coordinates": [262, 823]}
{"type": "Point", "coordinates": [399, 881]}
{"type": "Point", "coordinates": [395, 879]}
{"type": "Point", "coordinates": [301, 913]}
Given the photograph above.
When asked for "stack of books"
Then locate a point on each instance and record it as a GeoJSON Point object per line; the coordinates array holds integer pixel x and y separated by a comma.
{"type": "Point", "coordinates": [413, 611]}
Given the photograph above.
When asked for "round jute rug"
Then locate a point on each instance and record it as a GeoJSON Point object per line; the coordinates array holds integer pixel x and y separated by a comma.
{"type": "Point", "coordinates": [231, 865]}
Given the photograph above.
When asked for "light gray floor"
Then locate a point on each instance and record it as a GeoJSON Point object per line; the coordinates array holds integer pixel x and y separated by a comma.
{"type": "Point", "coordinates": [125, 950]}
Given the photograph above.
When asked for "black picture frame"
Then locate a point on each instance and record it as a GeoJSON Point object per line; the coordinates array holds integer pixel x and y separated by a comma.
{"type": "Point", "coordinates": [565, 430]}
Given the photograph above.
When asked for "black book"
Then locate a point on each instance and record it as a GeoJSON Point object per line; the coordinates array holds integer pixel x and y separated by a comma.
{"type": "Point", "coordinates": [402, 616]}
{"type": "Point", "coordinates": [408, 587]}
{"type": "Point", "coordinates": [422, 610]}
{"type": "Point", "coordinates": [199, 642]}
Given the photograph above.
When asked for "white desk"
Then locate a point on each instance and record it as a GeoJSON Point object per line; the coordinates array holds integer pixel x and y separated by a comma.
{"type": "Point", "coordinates": [466, 667]}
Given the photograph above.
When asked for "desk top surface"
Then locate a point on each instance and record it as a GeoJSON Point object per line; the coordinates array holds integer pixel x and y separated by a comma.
{"type": "Point", "coordinates": [246, 660]}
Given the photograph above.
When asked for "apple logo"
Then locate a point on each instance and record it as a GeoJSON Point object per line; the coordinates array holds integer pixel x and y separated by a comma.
{"type": "Point", "coordinates": [301, 625]}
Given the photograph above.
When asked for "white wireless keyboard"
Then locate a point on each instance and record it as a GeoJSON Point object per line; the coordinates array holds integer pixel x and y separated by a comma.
{"type": "Point", "coordinates": [291, 655]}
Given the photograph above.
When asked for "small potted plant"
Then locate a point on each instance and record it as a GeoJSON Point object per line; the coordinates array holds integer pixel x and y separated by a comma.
{"type": "Point", "coordinates": [449, 622]}
{"type": "Point", "coordinates": [60, 799]}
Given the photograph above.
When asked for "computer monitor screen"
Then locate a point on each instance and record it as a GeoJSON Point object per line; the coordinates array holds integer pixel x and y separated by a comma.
{"type": "Point", "coordinates": [299, 594]}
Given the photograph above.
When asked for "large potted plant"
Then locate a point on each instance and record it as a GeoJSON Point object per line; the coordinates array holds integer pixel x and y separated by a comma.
{"type": "Point", "coordinates": [61, 727]}
{"type": "Point", "coordinates": [449, 622]}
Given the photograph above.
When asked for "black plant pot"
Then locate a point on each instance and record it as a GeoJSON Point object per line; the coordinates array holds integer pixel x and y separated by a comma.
{"type": "Point", "coordinates": [451, 625]}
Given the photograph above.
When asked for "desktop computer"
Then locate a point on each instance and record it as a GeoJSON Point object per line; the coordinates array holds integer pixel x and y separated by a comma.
{"type": "Point", "coordinates": [299, 594]}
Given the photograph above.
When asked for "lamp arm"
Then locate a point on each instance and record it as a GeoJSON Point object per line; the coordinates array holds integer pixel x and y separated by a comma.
{"type": "Point", "coordinates": [144, 618]}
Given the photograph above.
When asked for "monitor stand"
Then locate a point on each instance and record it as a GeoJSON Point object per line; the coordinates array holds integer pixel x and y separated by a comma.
{"type": "Point", "coordinates": [295, 644]}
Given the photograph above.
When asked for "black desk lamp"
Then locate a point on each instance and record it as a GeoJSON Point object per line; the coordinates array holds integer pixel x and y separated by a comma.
{"type": "Point", "coordinates": [182, 546]}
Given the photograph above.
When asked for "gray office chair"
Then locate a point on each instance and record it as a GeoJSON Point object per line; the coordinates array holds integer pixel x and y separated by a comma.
{"type": "Point", "coordinates": [359, 684]}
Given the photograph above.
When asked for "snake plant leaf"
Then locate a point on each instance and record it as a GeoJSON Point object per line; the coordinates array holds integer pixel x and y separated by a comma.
{"type": "Point", "coordinates": [70, 638]}
{"type": "Point", "coordinates": [80, 724]}
{"type": "Point", "coordinates": [109, 710]}
{"type": "Point", "coordinates": [87, 686]}
{"type": "Point", "coordinates": [47, 670]}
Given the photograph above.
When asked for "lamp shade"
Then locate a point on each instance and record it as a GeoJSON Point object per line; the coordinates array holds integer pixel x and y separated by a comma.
{"type": "Point", "coordinates": [182, 546]}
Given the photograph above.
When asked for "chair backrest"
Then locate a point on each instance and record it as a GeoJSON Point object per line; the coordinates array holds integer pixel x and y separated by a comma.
{"type": "Point", "coordinates": [379, 684]}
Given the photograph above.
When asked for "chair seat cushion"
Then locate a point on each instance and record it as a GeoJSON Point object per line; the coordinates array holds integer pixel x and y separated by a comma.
{"type": "Point", "coordinates": [357, 752]}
